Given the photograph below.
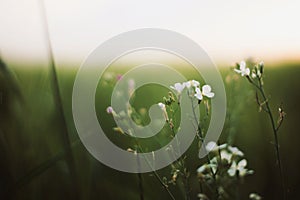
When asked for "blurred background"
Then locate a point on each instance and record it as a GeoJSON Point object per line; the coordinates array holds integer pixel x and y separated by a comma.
{"type": "Point", "coordinates": [41, 155]}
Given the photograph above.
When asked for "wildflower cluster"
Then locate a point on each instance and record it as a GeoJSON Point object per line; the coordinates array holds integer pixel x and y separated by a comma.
{"type": "Point", "coordinates": [226, 156]}
{"type": "Point", "coordinates": [225, 168]}
{"type": "Point", "coordinates": [193, 88]}
{"type": "Point", "coordinates": [256, 80]}
{"type": "Point", "coordinates": [194, 91]}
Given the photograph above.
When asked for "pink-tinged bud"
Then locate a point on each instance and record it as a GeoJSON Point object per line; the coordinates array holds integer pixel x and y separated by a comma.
{"type": "Point", "coordinates": [109, 110]}
{"type": "Point", "coordinates": [119, 77]}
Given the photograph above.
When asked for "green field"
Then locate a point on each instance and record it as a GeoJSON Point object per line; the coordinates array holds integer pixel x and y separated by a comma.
{"type": "Point", "coordinates": [43, 159]}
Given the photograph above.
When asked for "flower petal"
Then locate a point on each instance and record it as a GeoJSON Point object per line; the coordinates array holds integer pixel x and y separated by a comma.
{"type": "Point", "coordinates": [238, 71]}
{"type": "Point", "coordinates": [247, 71]}
{"type": "Point", "coordinates": [242, 65]}
{"type": "Point", "coordinates": [198, 96]}
{"type": "Point", "coordinates": [242, 163]}
{"type": "Point", "coordinates": [231, 171]}
{"type": "Point", "coordinates": [211, 146]}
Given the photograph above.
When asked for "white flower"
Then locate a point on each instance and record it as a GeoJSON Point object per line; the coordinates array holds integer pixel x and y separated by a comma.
{"type": "Point", "coordinates": [206, 91]}
{"type": "Point", "coordinates": [254, 196]}
{"type": "Point", "coordinates": [193, 83]}
{"type": "Point", "coordinates": [235, 151]}
{"type": "Point", "coordinates": [202, 197]}
{"type": "Point", "coordinates": [198, 94]}
{"type": "Point", "coordinates": [253, 75]}
{"type": "Point", "coordinates": [240, 167]}
{"type": "Point", "coordinates": [225, 155]}
{"type": "Point", "coordinates": [211, 146]}
{"type": "Point", "coordinates": [243, 69]}
{"type": "Point", "coordinates": [201, 169]}
{"type": "Point", "coordinates": [178, 87]}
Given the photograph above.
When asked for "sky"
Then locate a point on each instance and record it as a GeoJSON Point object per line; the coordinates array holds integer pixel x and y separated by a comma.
{"type": "Point", "coordinates": [229, 30]}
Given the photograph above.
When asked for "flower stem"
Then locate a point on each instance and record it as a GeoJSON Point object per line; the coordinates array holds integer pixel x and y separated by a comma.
{"type": "Point", "coordinates": [275, 132]}
{"type": "Point", "coordinates": [156, 175]}
{"type": "Point", "coordinates": [140, 178]}
{"type": "Point", "coordinates": [185, 173]}
{"type": "Point", "coordinates": [200, 136]}
{"type": "Point", "coordinates": [267, 109]}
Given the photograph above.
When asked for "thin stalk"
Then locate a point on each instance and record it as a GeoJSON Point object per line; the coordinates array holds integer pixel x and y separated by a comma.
{"type": "Point", "coordinates": [58, 102]}
{"type": "Point", "coordinates": [184, 174]}
{"type": "Point", "coordinates": [140, 177]}
{"type": "Point", "coordinates": [275, 132]}
{"type": "Point", "coordinates": [181, 161]}
{"type": "Point", "coordinates": [200, 136]}
{"type": "Point", "coordinates": [158, 177]}
{"type": "Point", "coordinates": [154, 172]}
{"type": "Point", "coordinates": [274, 129]}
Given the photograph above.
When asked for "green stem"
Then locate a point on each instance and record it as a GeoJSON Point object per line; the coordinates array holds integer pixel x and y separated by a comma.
{"type": "Point", "coordinates": [274, 129]}
{"type": "Point", "coordinates": [156, 175]}
{"type": "Point", "coordinates": [141, 188]}
{"type": "Point", "coordinates": [275, 132]}
{"type": "Point", "coordinates": [200, 136]}
{"type": "Point", "coordinates": [181, 161]}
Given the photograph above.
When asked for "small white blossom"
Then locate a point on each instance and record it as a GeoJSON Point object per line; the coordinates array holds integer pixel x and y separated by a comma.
{"type": "Point", "coordinates": [201, 169]}
{"type": "Point", "coordinates": [225, 155]}
{"type": "Point", "coordinates": [235, 151]}
{"type": "Point", "coordinates": [195, 83]}
{"type": "Point", "coordinates": [198, 94]}
{"type": "Point", "coordinates": [253, 75]}
{"type": "Point", "coordinates": [178, 87]}
{"type": "Point", "coordinates": [211, 146]}
{"type": "Point", "coordinates": [240, 167]}
{"type": "Point", "coordinates": [254, 196]}
{"type": "Point", "coordinates": [206, 91]}
{"type": "Point", "coordinates": [243, 69]}
{"type": "Point", "coordinates": [202, 197]}
{"type": "Point", "coordinates": [192, 83]}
